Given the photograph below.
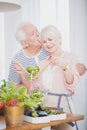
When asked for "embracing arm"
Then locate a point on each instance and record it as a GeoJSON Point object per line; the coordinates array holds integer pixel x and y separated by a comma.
{"type": "Point", "coordinates": [81, 68]}
{"type": "Point", "coordinates": [69, 76]}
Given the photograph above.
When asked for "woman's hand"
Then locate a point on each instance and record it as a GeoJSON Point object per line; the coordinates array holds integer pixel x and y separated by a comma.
{"type": "Point", "coordinates": [54, 60]}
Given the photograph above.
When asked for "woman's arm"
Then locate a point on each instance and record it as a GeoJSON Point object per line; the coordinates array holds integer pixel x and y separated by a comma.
{"type": "Point", "coordinates": [68, 75]}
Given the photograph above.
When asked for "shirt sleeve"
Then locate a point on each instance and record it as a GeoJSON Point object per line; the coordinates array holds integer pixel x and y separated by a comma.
{"type": "Point", "coordinates": [13, 76]}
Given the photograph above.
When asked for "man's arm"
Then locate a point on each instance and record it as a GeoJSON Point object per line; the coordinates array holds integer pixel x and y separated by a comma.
{"type": "Point", "coordinates": [18, 68]}
{"type": "Point", "coordinates": [81, 68]}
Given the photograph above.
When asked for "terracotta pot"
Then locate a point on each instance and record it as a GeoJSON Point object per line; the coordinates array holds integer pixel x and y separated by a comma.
{"type": "Point", "coordinates": [14, 115]}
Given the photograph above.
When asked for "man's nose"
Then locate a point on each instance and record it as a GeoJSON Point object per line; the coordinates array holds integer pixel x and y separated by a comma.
{"type": "Point", "coordinates": [37, 34]}
{"type": "Point", "coordinates": [39, 37]}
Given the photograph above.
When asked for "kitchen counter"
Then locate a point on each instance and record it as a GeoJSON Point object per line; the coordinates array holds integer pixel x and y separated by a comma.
{"type": "Point", "coordinates": [30, 126]}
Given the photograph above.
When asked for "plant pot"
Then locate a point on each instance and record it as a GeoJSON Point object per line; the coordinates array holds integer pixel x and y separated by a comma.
{"type": "Point", "coordinates": [14, 115]}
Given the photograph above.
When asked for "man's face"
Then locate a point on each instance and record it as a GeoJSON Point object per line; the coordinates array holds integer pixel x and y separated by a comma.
{"type": "Point", "coordinates": [32, 36]}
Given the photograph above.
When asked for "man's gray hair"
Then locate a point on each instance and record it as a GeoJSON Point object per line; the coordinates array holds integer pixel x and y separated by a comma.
{"type": "Point", "coordinates": [50, 31]}
{"type": "Point", "coordinates": [20, 34]}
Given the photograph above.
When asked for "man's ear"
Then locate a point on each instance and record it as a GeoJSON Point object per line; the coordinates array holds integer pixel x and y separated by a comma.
{"type": "Point", "coordinates": [24, 44]}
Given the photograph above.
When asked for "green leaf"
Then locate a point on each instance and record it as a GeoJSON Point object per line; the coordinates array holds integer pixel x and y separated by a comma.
{"type": "Point", "coordinates": [12, 84]}
{"type": "Point", "coordinates": [31, 104]}
{"type": "Point", "coordinates": [21, 104]}
{"type": "Point", "coordinates": [22, 90]}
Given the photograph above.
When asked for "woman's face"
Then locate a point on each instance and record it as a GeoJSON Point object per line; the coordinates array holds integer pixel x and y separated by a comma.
{"type": "Point", "coordinates": [50, 44]}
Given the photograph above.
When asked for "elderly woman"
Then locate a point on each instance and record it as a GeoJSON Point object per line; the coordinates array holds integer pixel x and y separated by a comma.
{"type": "Point", "coordinates": [31, 53]}
{"type": "Point", "coordinates": [59, 75]}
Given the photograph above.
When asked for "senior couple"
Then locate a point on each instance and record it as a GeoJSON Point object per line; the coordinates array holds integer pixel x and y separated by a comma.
{"type": "Point", "coordinates": [61, 70]}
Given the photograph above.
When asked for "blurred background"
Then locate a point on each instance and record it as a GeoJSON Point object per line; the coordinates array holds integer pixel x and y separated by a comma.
{"type": "Point", "coordinates": [69, 16]}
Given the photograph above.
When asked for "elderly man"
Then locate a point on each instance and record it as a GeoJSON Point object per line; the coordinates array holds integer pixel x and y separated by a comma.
{"type": "Point", "coordinates": [31, 53]}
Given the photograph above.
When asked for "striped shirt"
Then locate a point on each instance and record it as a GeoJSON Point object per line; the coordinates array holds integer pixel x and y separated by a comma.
{"type": "Point", "coordinates": [26, 61]}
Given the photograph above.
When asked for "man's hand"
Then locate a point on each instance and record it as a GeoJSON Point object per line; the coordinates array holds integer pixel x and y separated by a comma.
{"type": "Point", "coordinates": [81, 68]}
{"type": "Point", "coordinates": [18, 68]}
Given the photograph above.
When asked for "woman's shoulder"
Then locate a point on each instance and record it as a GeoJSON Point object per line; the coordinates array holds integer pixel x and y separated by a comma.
{"type": "Point", "coordinates": [69, 54]}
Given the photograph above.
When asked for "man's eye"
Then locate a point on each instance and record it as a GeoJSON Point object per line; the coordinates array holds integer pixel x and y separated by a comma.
{"type": "Point", "coordinates": [32, 33]}
{"type": "Point", "coordinates": [44, 41]}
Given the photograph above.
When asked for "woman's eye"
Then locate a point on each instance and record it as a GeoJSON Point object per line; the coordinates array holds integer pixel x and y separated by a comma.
{"type": "Point", "coordinates": [49, 39]}
{"type": "Point", "coordinates": [37, 34]}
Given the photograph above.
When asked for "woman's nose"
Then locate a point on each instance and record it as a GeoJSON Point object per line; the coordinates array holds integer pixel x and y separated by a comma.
{"type": "Point", "coordinates": [48, 43]}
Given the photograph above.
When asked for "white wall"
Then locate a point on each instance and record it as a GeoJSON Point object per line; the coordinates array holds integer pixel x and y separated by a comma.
{"type": "Point", "coordinates": [56, 12]}
{"type": "Point", "coordinates": [11, 20]}
{"type": "Point", "coordinates": [2, 48]}
{"type": "Point", "coordinates": [78, 45]}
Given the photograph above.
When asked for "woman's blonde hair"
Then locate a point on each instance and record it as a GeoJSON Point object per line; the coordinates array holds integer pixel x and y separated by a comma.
{"type": "Point", "coordinates": [50, 31]}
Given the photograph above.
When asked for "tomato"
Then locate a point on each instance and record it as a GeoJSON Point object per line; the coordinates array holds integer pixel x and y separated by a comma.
{"type": "Point", "coordinates": [1, 104]}
{"type": "Point", "coordinates": [8, 103]}
{"type": "Point", "coordinates": [12, 102]}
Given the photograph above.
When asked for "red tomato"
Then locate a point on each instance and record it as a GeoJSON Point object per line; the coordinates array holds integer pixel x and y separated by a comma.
{"type": "Point", "coordinates": [1, 104]}
{"type": "Point", "coordinates": [8, 103]}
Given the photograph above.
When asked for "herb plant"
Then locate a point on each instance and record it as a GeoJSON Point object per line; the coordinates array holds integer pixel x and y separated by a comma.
{"type": "Point", "coordinates": [32, 72]}
{"type": "Point", "coordinates": [12, 96]}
